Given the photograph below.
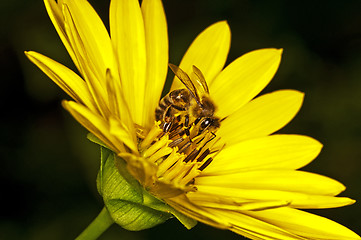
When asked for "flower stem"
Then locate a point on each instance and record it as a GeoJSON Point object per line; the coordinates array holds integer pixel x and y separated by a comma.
{"type": "Point", "coordinates": [101, 223]}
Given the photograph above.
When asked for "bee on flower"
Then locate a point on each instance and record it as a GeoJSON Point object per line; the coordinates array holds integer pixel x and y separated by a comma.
{"type": "Point", "coordinates": [207, 151]}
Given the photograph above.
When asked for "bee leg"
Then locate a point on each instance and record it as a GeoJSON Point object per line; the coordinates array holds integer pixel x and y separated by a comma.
{"type": "Point", "coordinates": [186, 124]}
{"type": "Point", "coordinates": [213, 135]}
{"type": "Point", "coordinates": [186, 120]}
{"type": "Point", "coordinates": [167, 126]}
{"type": "Point", "coordinates": [211, 138]}
{"type": "Point", "coordinates": [168, 119]}
{"type": "Point", "coordinates": [187, 132]}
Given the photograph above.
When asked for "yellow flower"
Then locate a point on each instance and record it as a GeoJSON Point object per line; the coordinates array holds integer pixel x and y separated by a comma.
{"type": "Point", "coordinates": [238, 176]}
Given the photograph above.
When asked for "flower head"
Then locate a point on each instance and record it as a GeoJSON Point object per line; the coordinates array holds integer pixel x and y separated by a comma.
{"type": "Point", "coordinates": [208, 148]}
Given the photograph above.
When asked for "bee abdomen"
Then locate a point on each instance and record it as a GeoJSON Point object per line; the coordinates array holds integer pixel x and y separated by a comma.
{"type": "Point", "coordinates": [177, 99]}
{"type": "Point", "coordinates": [159, 114]}
{"type": "Point", "coordinates": [164, 103]}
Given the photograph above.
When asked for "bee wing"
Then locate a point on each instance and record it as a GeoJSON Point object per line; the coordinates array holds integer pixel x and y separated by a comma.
{"type": "Point", "coordinates": [200, 79]}
{"type": "Point", "coordinates": [185, 79]}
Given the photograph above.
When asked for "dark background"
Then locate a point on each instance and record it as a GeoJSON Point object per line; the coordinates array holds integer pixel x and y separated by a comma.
{"type": "Point", "coordinates": [48, 168]}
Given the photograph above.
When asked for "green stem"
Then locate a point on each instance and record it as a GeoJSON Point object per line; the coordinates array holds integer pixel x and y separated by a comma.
{"type": "Point", "coordinates": [101, 223]}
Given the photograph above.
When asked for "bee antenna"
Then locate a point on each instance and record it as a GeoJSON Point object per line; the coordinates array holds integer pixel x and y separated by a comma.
{"type": "Point", "coordinates": [222, 119]}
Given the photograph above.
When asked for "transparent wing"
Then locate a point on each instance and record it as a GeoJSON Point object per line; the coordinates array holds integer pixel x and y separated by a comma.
{"type": "Point", "coordinates": [186, 80]}
{"type": "Point", "coordinates": [200, 80]}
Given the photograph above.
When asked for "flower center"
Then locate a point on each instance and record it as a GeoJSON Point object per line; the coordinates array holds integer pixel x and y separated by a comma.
{"type": "Point", "coordinates": [179, 155]}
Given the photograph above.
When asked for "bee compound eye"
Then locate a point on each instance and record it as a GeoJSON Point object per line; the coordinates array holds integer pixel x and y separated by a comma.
{"type": "Point", "coordinates": [205, 123]}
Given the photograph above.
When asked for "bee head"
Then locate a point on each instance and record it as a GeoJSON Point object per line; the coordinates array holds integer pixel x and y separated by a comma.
{"type": "Point", "coordinates": [209, 123]}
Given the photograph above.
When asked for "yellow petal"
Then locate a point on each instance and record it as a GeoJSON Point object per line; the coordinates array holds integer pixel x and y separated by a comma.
{"type": "Point", "coordinates": [252, 227]}
{"type": "Point", "coordinates": [156, 37]}
{"type": "Point", "coordinates": [239, 196]}
{"type": "Point", "coordinates": [305, 224]}
{"type": "Point", "coordinates": [313, 202]}
{"type": "Point", "coordinates": [183, 205]}
{"type": "Point", "coordinates": [232, 220]}
{"type": "Point", "coordinates": [96, 84]}
{"type": "Point", "coordinates": [117, 104]}
{"type": "Point", "coordinates": [243, 79]}
{"type": "Point", "coordinates": [232, 203]}
{"type": "Point", "coordinates": [247, 206]}
{"type": "Point", "coordinates": [283, 180]}
{"type": "Point", "coordinates": [97, 48]}
{"type": "Point", "coordinates": [56, 16]}
{"type": "Point", "coordinates": [128, 38]}
{"type": "Point", "coordinates": [93, 122]}
{"type": "Point", "coordinates": [208, 52]}
{"type": "Point", "coordinates": [120, 131]}
{"type": "Point", "coordinates": [261, 117]}
{"type": "Point", "coordinates": [99, 127]}
{"type": "Point", "coordinates": [65, 78]}
{"type": "Point", "coordinates": [275, 151]}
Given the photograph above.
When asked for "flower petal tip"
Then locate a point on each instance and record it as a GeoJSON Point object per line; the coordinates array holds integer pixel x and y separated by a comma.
{"type": "Point", "coordinates": [293, 94]}
{"type": "Point", "coordinates": [278, 52]}
{"type": "Point", "coordinates": [222, 24]}
{"type": "Point", "coordinates": [297, 94]}
{"type": "Point", "coordinates": [225, 22]}
{"type": "Point", "coordinates": [66, 103]}
{"type": "Point", "coordinates": [338, 188]}
{"type": "Point", "coordinates": [28, 53]}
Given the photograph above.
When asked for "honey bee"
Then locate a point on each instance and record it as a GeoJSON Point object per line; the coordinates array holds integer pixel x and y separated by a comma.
{"type": "Point", "coordinates": [190, 105]}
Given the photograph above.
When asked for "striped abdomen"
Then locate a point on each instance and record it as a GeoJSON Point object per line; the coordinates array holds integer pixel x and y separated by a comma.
{"type": "Point", "coordinates": [175, 101]}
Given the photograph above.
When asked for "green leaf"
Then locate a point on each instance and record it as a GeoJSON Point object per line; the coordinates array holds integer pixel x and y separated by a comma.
{"type": "Point", "coordinates": [128, 203]}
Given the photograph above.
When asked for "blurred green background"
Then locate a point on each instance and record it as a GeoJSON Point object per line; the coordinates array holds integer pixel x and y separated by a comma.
{"type": "Point", "coordinates": [48, 168]}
